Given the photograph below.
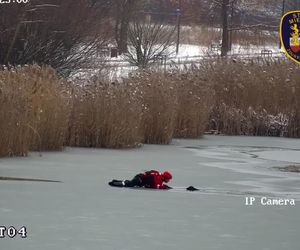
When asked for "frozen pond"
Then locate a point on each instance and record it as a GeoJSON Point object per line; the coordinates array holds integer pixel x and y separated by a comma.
{"type": "Point", "coordinates": [83, 212]}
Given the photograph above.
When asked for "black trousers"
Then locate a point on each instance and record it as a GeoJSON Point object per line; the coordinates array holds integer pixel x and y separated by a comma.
{"type": "Point", "coordinates": [135, 182]}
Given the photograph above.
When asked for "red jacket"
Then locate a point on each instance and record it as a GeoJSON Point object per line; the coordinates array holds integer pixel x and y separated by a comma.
{"type": "Point", "coordinates": [153, 179]}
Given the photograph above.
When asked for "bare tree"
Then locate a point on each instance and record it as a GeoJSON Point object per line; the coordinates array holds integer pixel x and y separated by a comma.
{"type": "Point", "coordinates": [225, 34]}
{"type": "Point", "coordinates": [124, 10]}
{"type": "Point", "coordinates": [229, 8]}
{"type": "Point", "coordinates": [60, 33]}
{"type": "Point", "coordinates": [292, 5]}
{"type": "Point", "coordinates": [149, 42]}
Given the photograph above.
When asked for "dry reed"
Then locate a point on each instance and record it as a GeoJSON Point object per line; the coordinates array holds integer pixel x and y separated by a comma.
{"type": "Point", "coordinates": [253, 98]}
{"type": "Point", "coordinates": [40, 112]}
{"type": "Point", "coordinates": [159, 102]}
{"type": "Point", "coordinates": [14, 115]}
{"type": "Point", "coordinates": [195, 98]}
{"type": "Point", "coordinates": [105, 115]}
{"type": "Point", "coordinates": [33, 110]}
{"type": "Point", "coordinates": [175, 105]}
{"type": "Point", "coordinates": [51, 104]}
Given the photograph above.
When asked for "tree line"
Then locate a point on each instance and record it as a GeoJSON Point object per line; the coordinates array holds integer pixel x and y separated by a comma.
{"type": "Point", "coordinates": [65, 34]}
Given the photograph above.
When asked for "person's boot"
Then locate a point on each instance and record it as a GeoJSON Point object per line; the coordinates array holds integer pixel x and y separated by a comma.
{"type": "Point", "coordinates": [116, 183]}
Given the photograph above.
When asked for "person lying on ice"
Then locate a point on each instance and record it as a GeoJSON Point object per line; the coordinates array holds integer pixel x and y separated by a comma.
{"type": "Point", "coordinates": [149, 179]}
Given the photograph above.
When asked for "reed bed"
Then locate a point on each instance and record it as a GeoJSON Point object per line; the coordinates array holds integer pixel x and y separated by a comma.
{"type": "Point", "coordinates": [34, 107]}
{"type": "Point", "coordinates": [39, 111]}
{"type": "Point", "coordinates": [159, 107]}
{"type": "Point", "coordinates": [175, 105]}
{"type": "Point", "coordinates": [195, 97]}
{"type": "Point", "coordinates": [105, 115]}
{"type": "Point", "coordinates": [148, 107]}
{"type": "Point", "coordinates": [50, 102]}
{"type": "Point", "coordinates": [255, 99]}
{"type": "Point", "coordinates": [14, 115]}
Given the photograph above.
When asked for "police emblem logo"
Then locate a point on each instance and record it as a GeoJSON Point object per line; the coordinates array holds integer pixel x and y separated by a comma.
{"type": "Point", "coordinates": [290, 35]}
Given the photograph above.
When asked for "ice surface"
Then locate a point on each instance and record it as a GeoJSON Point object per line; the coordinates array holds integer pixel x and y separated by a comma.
{"type": "Point", "coordinates": [83, 212]}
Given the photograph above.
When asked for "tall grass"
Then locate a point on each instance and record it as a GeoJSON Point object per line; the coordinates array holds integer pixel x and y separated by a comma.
{"type": "Point", "coordinates": [175, 105]}
{"type": "Point", "coordinates": [50, 104]}
{"type": "Point", "coordinates": [38, 111]}
{"type": "Point", "coordinates": [159, 106]}
{"type": "Point", "coordinates": [195, 97]}
{"type": "Point", "coordinates": [34, 109]}
{"type": "Point", "coordinates": [250, 97]}
{"type": "Point", "coordinates": [105, 115]}
{"type": "Point", "coordinates": [147, 107]}
{"type": "Point", "coordinates": [14, 115]}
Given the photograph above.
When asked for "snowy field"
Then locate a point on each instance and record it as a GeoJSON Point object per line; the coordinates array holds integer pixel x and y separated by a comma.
{"type": "Point", "coordinates": [116, 68]}
{"type": "Point", "coordinates": [83, 212]}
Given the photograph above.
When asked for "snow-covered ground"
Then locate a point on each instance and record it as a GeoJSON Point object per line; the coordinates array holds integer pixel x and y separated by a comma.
{"type": "Point", "coordinates": [83, 212]}
{"type": "Point", "coordinates": [189, 50]}
{"type": "Point", "coordinates": [116, 68]}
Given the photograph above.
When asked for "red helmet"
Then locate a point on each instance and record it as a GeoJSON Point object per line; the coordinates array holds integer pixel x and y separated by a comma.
{"type": "Point", "coordinates": [166, 176]}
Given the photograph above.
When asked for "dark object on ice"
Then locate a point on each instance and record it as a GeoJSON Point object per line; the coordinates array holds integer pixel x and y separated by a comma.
{"type": "Point", "coordinates": [3, 178]}
{"type": "Point", "coordinates": [116, 183]}
{"type": "Point", "coordinates": [290, 168]}
{"type": "Point", "coordinates": [191, 188]}
{"type": "Point", "coordinates": [149, 179]}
